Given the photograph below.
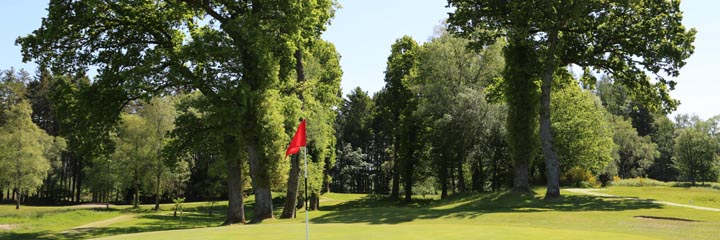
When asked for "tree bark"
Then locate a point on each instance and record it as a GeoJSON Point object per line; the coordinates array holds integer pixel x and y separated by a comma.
{"type": "Point", "coordinates": [461, 176]}
{"type": "Point", "coordinates": [408, 178]}
{"type": "Point", "coordinates": [395, 194]}
{"type": "Point", "coordinates": [236, 208]}
{"type": "Point", "coordinates": [521, 97]}
{"type": "Point", "coordinates": [443, 179]}
{"type": "Point", "coordinates": [546, 135]}
{"type": "Point", "coordinates": [17, 198]}
{"type": "Point", "coordinates": [314, 202]}
{"type": "Point", "coordinates": [78, 179]}
{"type": "Point", "coordinates": [289, 210]}
{"type": "Point", "coordinates": [261, 186]}
{"type": "Point", "coordinates": [136, 196]}
{"type": "Point", "coordinates": [521, 178]}
{"type": "Point", "coordinates": [157, 190]}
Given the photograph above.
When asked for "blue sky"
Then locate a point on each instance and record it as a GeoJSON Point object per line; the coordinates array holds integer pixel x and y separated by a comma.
{"type": "Point", "coordinates": [363, 31]}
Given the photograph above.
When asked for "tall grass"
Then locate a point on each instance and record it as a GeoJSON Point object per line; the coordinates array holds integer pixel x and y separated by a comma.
{"type": "Point", "coordinates": [648, 182]}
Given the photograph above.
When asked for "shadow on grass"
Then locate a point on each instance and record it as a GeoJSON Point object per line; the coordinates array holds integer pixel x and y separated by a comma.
{"type": "Point", "coordinates": [150, 223]}
{"type": "Point", "coordinates": [383, 211]}
{"type": "Point", "coordinates": [21, 236]}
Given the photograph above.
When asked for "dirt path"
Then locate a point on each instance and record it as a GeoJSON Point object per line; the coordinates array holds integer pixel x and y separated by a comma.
{"type": "Point", "coordinates": [100, 224]}
{"type": "Point", "coordinates": [7, 226]}
{"type": "Point", "coordinates": [594, 192]}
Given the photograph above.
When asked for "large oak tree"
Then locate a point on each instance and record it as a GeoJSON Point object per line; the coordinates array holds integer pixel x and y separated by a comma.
{"type": "Point", "coordinates": [237, 53]}
{"type": "Point", "coordinates": [626, 39]}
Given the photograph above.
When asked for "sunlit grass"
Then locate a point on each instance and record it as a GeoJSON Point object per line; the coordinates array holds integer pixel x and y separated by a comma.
{"type": "Point", "coordinates": [502, 215]}
{"type": "Point", "coordinates": [699, 196]}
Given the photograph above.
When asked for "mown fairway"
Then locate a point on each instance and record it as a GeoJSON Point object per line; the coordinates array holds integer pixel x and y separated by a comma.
{"type": "Point", "coordinates": [351, 216]}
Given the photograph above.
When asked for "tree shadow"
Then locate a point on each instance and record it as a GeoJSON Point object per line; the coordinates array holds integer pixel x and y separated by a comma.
{"type": "Point", "coordinates": [372, 211]}
{"type": "Point", "coordinates": [22, 236]}
{"type": "Point", "coordinates": [157, 223]}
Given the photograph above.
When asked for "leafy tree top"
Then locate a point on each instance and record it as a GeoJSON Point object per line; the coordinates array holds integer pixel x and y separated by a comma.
{"type": "Point", "coordinates": [627, 39]}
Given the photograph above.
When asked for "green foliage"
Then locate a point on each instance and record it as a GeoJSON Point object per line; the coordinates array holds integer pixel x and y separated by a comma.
{"type": "Point", "coordinates": [237, 55]}
{"type": "Point", "coordinates": [633, 154]}
{"type": "Point", "coordinates": [134, 154]}
{"type": "Point", "coordinates": [696, 150]}
{"type": "Point", "coordinates": [602, 35]}
{"type": "Point", "coordinates": [583, 136]}
{"type": "Point", "coordinates": [577, 177]}
{"type": "Point", "coordinates": [587, 35]}
{"type": "Point", "coordinates": [26, 151]}
{"type": "Point", "coordinates": [179, 202]}
{"type": "Point", "coordinates": [352, 166]}
{"type": "Point", "coordinates": [453, 114]}
{"type": "Point", "coordinates": [663, 134]}
{"type": "Point", "coordinates": [12, 89]}
{"type": "Point", "coordinates": [521, 93]}
{"type": "Point", "coordinates": [639, 182]}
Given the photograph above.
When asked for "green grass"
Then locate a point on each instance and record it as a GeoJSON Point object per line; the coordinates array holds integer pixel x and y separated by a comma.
{"type": "Point", "coordinates": [470, 216]}
{"type": "Point", "coordinates": [699, 196]}
{"type": "Point", "coordinates": [47, 222]}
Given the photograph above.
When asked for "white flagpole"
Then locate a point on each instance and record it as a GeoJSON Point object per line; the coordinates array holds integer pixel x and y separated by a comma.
{"type": "Point", "coordinates": [307, 214]}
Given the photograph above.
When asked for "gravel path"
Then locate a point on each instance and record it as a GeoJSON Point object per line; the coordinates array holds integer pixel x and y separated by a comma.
{"type": "Point", "coordinates": [594, 192]}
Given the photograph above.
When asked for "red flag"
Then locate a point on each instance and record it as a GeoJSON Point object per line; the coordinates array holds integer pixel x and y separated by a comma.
{"type": "Point", "coordinates": [298, 140]}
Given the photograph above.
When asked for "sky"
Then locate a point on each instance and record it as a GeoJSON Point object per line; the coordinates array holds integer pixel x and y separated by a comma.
{"type": "Point", "coordinates": [363, 31]}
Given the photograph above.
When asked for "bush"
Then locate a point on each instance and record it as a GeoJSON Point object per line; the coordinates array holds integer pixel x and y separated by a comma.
{"type": "Point", "coordinates": [578, 177]}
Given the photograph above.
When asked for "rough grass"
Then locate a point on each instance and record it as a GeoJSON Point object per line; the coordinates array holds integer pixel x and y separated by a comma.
{"type": "Point", "coordinates": [470, 216]}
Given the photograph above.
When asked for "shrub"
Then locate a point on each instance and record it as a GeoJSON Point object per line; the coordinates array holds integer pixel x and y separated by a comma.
{"type": "Point", "coordinates": [179, 202]}
{"type": "Point", "coordinates": [578, 177]}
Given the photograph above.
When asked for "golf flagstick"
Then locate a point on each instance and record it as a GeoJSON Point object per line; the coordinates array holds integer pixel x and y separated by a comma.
{"type": "Point", "coordinates": [307, 216]}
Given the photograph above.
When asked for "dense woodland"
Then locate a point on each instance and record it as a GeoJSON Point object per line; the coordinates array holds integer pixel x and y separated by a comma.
{"type": "Point", "coordinates": [149, 101]}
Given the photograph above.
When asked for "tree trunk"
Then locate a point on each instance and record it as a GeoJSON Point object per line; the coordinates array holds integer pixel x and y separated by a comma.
{"type": "Point", "coordinates": [395, 194]}
{"type": "Point", "coordinates": [261, 185]}
{"type": "Point", "coordinates": [236, 208]}
{"type": "Point", "coordinates": [546, 135]}
{"type": "Point", "coordinates": [314, 202]}
{"type": "Point", "coordinates": [408, 178]}
{"type": "Point", "coordinates": [17, 198]}
{"type": "Point", "coordinates": [136, 197]}
{"type": "Point", "coordinates": [521, 97]}
{"type": "Point", "coordinates": [443, 179]}
{"type": "Point", "coordinates": [461, 176]}
{"type": "Point", "coordinates": [289, 210]}
{"type": "Point", "coordinates": [157, 190]}
{"type": "Point", "coordinates": [521, 179]}
{"type": "Point", "coordinates": [78, 179]}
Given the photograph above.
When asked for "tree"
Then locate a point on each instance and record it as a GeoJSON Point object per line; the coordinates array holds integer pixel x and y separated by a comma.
{"type": "Point", "coordinates": [696, 149]}
{"type": "Point", "coordinates": [353, 127]}
{"type": "Point", "coordinates": [238, 59]}
{"type": "Point", "coordinates": [663, 134]}
{"type": "Point", "coordinates": [216, 157]}
{"type": "Point", "coordinates": [452, 110]}
{"type": "Point", "coordinates": [634, 154]}
{"type": "Point", "coordinates": [583, 138]}
{"type": "Point", "coordinates": [159, 114]}
{"type": "Point", "coordinates": [320, 74]}
{"type": "Point", "coordinates": [134, 153]}
{"type": "Point", "coordinates": [25, 151]}
{"type": "Point", "coordinates": [399, 72]}
{"type": "Point", "coordinates": [352, 165]}
{"type": "Point", "coordinates": [623, 38]}
{"type": "Point", "coordinates": [521, 95]}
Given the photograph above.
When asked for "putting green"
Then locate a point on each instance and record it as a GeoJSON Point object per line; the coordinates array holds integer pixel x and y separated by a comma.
{"type": "Point", "coordinates": [377, 231]}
